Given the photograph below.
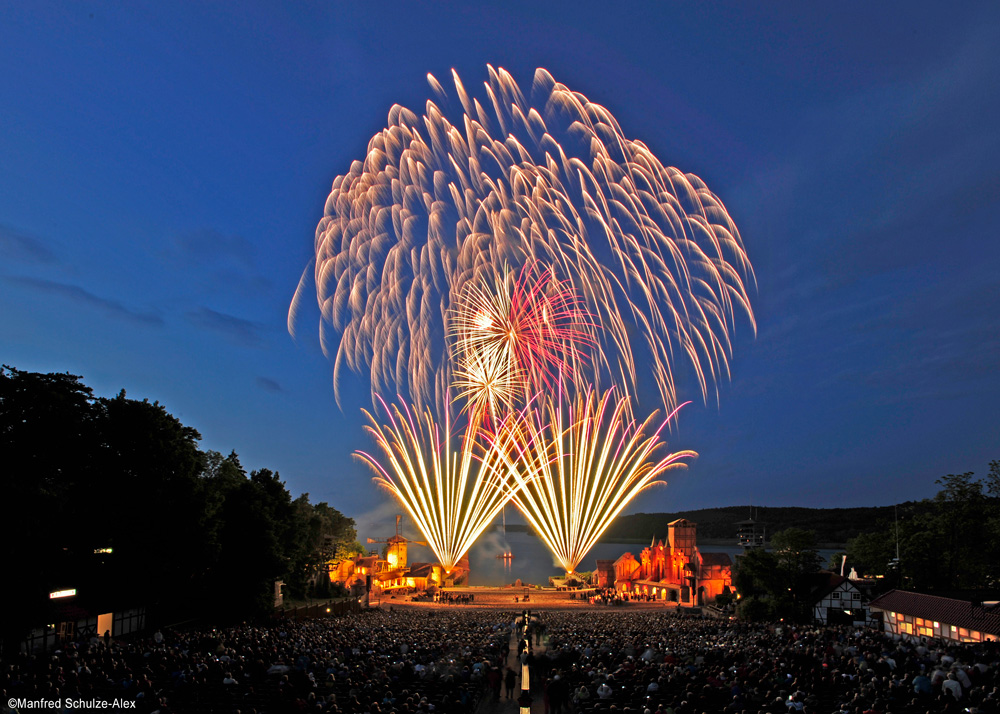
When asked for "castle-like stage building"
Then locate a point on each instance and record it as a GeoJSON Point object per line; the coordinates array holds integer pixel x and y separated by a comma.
{"type": "Point", "coordinates": [674, 570]}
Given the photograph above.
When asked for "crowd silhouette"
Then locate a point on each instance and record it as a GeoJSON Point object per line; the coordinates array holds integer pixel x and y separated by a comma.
{"type": "Point", "coordinates": [453, 660]}
{"type": "Point", "coordinates": [649, 661]}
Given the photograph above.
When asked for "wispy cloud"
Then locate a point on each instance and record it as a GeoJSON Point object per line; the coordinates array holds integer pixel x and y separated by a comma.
{"type": "Point", "coordinates": [210, 245]}
{"type": "Point", "coordinates": [268, 385]}
{"type": "Point", "coordinates": [875, 273]}
{"type": "Point", "coordinates": [80, 295]}
{"type": "Point", "coordinates": [245, 332]}
{"type": "Point", "coordinates": [18, 245]}
{"type": "Point", "coordinates": [220, 262]}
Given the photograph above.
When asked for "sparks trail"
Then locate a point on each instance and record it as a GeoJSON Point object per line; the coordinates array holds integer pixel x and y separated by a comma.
{"type": "Point", "coordinates": [577, 468]}
{"type": "Point", "coordinates": [437, 208]}
{"type": "Point", "coordinates": [452, 494]}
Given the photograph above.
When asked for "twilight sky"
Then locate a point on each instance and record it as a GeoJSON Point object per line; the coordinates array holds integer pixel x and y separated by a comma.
{"type": "Point", "coordinates": [164, 166]}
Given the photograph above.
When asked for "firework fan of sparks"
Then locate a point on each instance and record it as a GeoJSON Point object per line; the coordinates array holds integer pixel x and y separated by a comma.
{"type": "Point", "coordinates": [437, 205]}
{"type": "Point", "coordinates": [518, 338]}
{"type": "Point", "coordinates": [451, 494]}
{"type": "Point", "coordinates": [576, 469]}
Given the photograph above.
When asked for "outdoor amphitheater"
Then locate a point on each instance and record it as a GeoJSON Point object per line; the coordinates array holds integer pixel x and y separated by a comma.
{"type": "Point", "coordinates": [553, 654]}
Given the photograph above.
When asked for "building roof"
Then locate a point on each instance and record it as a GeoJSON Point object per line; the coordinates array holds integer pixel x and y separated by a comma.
{"type": "Point", "coordinates": [421, 570]}
{"type": "Point", "coordinates": [825, 582]}
{"type": "Point", "coordinates": [986, 596]}
{"type": "Point", "coordinates": [960, 613]}
{"type": "Point", "coordinates": [625, 556]}
{"type": "Point", "coordinates": [682, 522]}
{"type": "Point", "coordinates": [711, 559]}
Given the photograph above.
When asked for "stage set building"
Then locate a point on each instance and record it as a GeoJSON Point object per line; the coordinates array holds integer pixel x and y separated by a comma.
{"type": "Point", "coordinates": [390, 571]}
{"type": "Point", "coordinates": [672, 570]}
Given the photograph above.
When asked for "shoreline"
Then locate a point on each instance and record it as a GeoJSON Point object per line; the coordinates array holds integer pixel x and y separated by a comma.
{"type": "Point", "coordinates": [715, 542]}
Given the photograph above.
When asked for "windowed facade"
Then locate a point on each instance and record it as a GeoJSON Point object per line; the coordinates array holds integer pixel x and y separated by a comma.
{"type": "Point", "coordinates": [903, 624]}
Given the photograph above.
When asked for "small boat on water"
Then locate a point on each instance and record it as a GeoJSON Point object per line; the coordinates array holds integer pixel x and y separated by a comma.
{"type": "Point", "coordinates": [505, 556]}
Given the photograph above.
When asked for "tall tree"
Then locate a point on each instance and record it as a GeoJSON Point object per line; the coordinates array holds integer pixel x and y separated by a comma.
{"type": "Point", "coordinates": [961, 525]}
{"type": "Point", "coordinates": [871, 553]}
{"type": "Point", "coordinates": [321, 531]}
{"type": "Point", "coordinates": [993, 525]}
{"type": "Point", "coordinates": [189, 532]}
{"type": "Point", "coordinates": [796, 551]}
{"type": "Point", "coordinates": [763, 585]}
{"type": "Point", "coordinates": [775, 585]}
{"type": "Point", "coordinates": [148, 500]}
{"type": "Point", "coordinates": [49, 430]}
{"type": "Point", "coordinates": [949, 542]}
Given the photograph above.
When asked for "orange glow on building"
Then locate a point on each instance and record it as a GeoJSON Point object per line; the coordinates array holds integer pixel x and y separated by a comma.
{"type": "Point", "coordinates": [675, 570]}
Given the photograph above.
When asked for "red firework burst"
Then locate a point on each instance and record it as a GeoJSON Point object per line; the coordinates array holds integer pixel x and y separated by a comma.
{"type": "Point", "coordinates": [520, 336]}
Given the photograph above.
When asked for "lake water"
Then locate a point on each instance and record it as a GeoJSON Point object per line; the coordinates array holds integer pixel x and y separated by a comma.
{"type": "Point", "coordinates": [533, 563]}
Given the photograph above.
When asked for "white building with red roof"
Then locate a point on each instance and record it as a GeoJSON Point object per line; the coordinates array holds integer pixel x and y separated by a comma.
{"type": "Point", "coordinates": [915, 615]}
{"type": "Point", "coordinates": [838, 600]}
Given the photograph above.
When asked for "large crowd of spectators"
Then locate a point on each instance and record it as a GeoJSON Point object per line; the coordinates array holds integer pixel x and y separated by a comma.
{"type": "Point", "coordinates": [649, 661]}
{"type": "Point", "coordinates": [450, 660]}
{"type": "Point", "coordinates": [377, 661]}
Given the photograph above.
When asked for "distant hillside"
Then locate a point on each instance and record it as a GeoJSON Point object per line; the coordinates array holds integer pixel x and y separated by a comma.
{"type": "Point", "coordinates": [831, 525]}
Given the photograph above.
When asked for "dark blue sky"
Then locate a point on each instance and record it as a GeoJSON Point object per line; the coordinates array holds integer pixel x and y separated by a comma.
{"type": "Point", "coordinates": [164, 166]}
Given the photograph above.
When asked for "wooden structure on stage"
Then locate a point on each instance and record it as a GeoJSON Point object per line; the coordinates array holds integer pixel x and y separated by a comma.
{"type": "Point", "coordinates": [390, 569]}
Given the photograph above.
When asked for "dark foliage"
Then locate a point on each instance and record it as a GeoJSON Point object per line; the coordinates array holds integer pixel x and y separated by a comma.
{"type": "Point", "coordinates": [831, 525]}
{"type": "Point", "coordinates": [950, 542]}
{"type": "Point", "coordinates": [190, 533]}
{"type": "Point", "coordinates": [774, 584]}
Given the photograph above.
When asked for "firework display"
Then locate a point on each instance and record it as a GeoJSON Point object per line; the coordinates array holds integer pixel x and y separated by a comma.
{"type": "Point", "coordinates": [517, 339]}
{"type": "Point", "coordinates": [577, 467]}
{"type": "Point", "coordinates": [523, 265]}
{"type": "Point", "coordinates": [437, 206]}
{"type": "Point", "coordinates": [452, 495]}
